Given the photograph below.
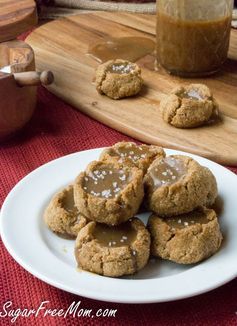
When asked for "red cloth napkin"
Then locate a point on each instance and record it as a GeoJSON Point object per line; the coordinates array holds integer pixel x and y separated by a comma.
{"type": "Point", "coordinates": [55, 130]}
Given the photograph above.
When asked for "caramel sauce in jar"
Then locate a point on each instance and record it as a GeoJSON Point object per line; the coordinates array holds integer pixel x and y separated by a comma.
{"type": "Point", "coordinates": [192, 47]}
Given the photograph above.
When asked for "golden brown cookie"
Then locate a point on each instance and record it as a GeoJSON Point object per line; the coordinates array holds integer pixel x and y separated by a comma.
{"type": "Point", "coordinates": [177, 184]}
{"type": "Point", "coordinates": [113, 251]}
{"type": "Point", "coordinates": [118, 78]}
{"type": "Point", "coordinates": [185, 239]}
{"type": "Point", "coordinates": [130, 154]}
{"type": "Point", "coordinates": [61, 215]}
{"type": "Point", "coordinates": [189, 106]}
{"type": "Point", "coordinates": [109, 193]}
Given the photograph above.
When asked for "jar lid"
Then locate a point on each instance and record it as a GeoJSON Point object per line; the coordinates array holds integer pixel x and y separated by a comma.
{"type": "Point", "coordinates": [16, 17]}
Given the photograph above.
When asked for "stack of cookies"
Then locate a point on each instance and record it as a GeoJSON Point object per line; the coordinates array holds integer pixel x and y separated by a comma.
{"type": "Point", "coordinates": [99, 209]}
{"type": "Point", "coordinates": [178, 191]}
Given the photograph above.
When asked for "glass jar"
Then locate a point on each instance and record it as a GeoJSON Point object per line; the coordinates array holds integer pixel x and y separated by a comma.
{"type": "Point", "coordinates": [193, 35]}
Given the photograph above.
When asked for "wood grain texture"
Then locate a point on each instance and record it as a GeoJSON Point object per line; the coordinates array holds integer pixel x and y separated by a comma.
{"type": "Point", "coordinates": [61, 46]}
{"type": "Point", "coordinates": [16, 17]}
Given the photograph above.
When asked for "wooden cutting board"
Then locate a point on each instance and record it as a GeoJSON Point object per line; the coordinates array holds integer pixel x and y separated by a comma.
{"type": "Point", "coordinates": [61, 46]}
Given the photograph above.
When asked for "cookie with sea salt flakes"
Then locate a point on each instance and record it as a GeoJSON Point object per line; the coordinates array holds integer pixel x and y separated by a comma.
{"type": "Point", "coordinates": [108, 192]}
{"type": "Point", "coordinates": [189, 106]}
{"type": "Point", "coordinates": [187, 238]}
{"type": "Point", "coordinates": [118, 78]}
{"type": "Point", "coordinates": [131, 154]}
{"type": "Point", "coordinates": [113, 250]}
{"type": "Point", "coordinates": [178, 184]}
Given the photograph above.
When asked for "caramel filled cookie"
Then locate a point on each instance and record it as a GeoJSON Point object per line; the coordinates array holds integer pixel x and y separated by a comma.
{"type": "Point", "coordinates": [130, 154]}
{"type": "Point", "coordinates": [118, 78]}
{"type": "Point", "coordinates": [190, 106]}
{"type": "Point", "coordinates": [185, 239]}
{"type": "Point", "coordinates": [62, 216]}
{"type": "Point", "coordinates": [178, 184]}
{"type": "Point", "coordinates": [113, 251]}
{"type": "Point", "coordinates": [109, 193]}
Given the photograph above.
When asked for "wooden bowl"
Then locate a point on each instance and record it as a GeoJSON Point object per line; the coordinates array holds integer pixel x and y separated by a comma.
{"type": "Point", "coordinates": [17, 104]}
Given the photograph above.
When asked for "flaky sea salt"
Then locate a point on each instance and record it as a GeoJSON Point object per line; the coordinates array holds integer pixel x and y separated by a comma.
{"type": "Point", "coordinates": [106, 193]}
{"type": "Point", "coordinates": [123, 177]}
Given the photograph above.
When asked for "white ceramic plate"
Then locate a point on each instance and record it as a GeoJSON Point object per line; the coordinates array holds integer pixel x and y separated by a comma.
{"type": "Point", "coordinates": [51, 259]}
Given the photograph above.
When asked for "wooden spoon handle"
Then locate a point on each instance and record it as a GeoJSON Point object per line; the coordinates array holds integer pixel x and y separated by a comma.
{"type": "Point", "coordinates": [33, 78]}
